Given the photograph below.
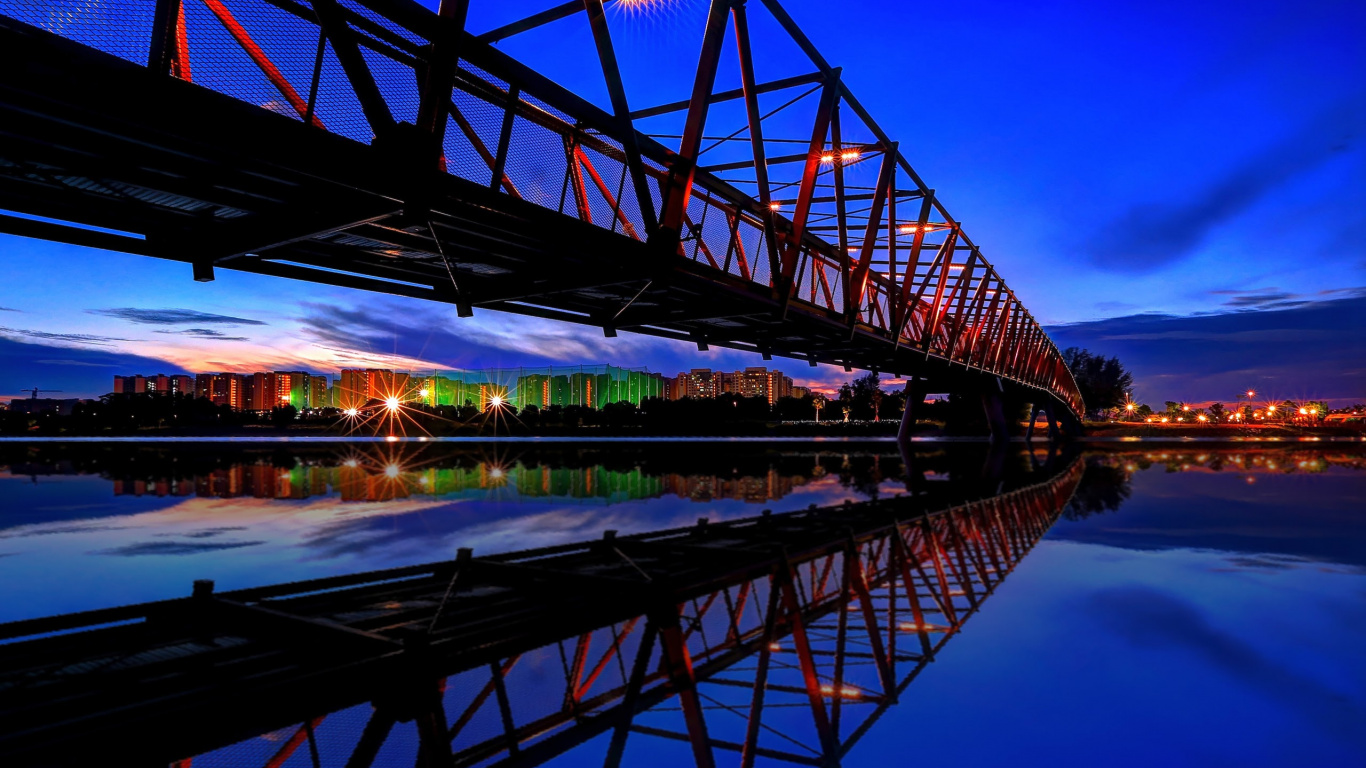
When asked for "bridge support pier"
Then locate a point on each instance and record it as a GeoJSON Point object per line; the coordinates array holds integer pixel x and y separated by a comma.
{"type": "Point", "coordinates": [994, 407]}
{"type": "Point", "coordinates": [1051, 413]}
{"type": "Point", "coordinates": [1034, 409]}
{"type": "Point", "coordinates": [903, 432]}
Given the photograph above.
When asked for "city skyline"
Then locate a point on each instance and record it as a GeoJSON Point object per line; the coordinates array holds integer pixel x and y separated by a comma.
{"type": "Point", "coordinates": [353, 389]}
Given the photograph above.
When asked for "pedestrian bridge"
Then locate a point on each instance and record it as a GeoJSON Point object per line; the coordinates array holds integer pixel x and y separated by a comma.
{"type": "Point", "coordinates": [379, 145]}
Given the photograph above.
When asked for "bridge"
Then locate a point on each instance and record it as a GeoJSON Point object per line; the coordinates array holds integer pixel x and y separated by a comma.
{"type": "Point", "coordinates": [379, 145]}
{"type": "Point", "coordinates": [782, 636]}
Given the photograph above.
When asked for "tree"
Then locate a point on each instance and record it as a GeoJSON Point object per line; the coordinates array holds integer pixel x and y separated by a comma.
{"type": "Point", "coordinates": [1102, 381]}
{"type": "Point", "coordinates": [283, 415]}
{"type": "Point", "coordinates": [1216, 411]}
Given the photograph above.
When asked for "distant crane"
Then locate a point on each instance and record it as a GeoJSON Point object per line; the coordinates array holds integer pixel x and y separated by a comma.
{"type": "Point", "coordinates": [35, 392]}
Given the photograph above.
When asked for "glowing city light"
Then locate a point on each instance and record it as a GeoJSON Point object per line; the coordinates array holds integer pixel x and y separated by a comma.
{"type": "Point", "coordinates": [1202, 417]}
{"type": "Point", "coordinates": [1251, 392]}
{"type": "Point", "coordinates": [422, 392]}
{"type": "Point", "coordinates": [352, 412]}
{"type": "Point", "coordinates": [1129, 407]}
{"type": "Point", "coordinates": [392, 403]}
{"type": "Point", "coordinates": [1304, 411]}
{"type": "Point", "coordinates": [849, 155]}
{"type": "Point", "coordinates": [827, 159]}
{"type": "Point", "coordinates": [496, 401]}
{"type": "Point", "coordinates": [1185, 407]}
{"type": "Point", "coordinates": [845, 691]}
{"type": "Point", "coordinates": [775, 206]}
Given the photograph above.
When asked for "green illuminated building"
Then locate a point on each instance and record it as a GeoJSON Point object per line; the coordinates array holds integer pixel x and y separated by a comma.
{"type": "Point", "coordinates": [590, 385]}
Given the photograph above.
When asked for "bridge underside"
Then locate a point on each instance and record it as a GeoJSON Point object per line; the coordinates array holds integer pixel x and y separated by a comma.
{"type": "Point", "coordinates": [177, 171]}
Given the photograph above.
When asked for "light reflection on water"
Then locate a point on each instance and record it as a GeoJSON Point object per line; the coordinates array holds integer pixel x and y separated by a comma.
{"type": "Point", "coordinates": [1196, 604]}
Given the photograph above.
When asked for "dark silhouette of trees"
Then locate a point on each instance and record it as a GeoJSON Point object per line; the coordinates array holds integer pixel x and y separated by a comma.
{"type": "Point", "coordinates": [1103, 381]}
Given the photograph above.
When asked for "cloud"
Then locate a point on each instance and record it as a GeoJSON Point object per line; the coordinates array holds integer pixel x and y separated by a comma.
{"type": "Point", "coordinates": [1150, 236]}
{"type": "Point", "coordinates": [71, 338]}
{"type": "Point", "coordinates": [171, 316]}
{"type": "Point", "coordinates": [205, 333]}
{"type": "Point", "coordinates": [85, 363]}
{"type": "Point", "coordinates": [175, 548]}
{"type": "Point", "coordinates": [403, 334]}
{"type": "Point", "coordinates": [1314, 348]}
{"type": "Point", "coordinates": [10, 309]}
{"type": "Point", "coordinates": [79, 371]}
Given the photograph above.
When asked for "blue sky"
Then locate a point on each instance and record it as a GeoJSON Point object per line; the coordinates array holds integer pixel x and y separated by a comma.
{"type": "Point", "coordinates": [1113, 160]}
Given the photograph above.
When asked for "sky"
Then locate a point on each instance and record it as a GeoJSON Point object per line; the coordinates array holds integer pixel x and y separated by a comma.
{"type": "Point", "coordinates": [1130, 168]}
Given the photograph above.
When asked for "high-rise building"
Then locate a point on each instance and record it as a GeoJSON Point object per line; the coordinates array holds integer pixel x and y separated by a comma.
{"type": "Point", "coordinates": [317, 391]}
{"type": "Point", "coordinates": [203, 385]}
{"type": "Point", "coordinates": [262, 395]}
{"type": "Point", "coordinates": [227, 389]}
{"type": "Point", "coordinates": [160, 384]}
{"type": "Point", "coordinates": [751, 382]}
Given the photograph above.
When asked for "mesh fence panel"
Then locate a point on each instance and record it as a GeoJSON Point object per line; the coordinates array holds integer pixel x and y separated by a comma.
{"type": "Point", "coordinates": [221, 62]}
{"type": "Point", "coordinates": [120, 27]}
{"type": "Point", "coordinates": [485, 121]}
{"type": "Point", "coordinates": [536, 164]}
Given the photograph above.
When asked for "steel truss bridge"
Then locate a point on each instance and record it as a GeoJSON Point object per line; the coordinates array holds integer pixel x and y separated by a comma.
{"type": "Point", "coordinates": [780, 638]}
{"type": "Point", "coordinates": [379, 145]}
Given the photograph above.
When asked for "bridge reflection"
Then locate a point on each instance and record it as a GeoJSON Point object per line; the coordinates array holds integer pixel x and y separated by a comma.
{"type": "Point", "coordinates": [783, 637]}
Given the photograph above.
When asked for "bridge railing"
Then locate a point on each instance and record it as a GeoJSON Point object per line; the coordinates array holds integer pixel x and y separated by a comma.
{"type": "Point", "coordinates": [359, 68]}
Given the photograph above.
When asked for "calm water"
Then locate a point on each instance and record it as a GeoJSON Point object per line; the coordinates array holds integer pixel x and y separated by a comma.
{"type": "Point", "coordinates": [1195, 606]}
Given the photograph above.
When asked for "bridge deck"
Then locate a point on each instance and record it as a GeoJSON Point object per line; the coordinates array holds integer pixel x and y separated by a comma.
{"type": "Point", "coordinates": [166, 680]}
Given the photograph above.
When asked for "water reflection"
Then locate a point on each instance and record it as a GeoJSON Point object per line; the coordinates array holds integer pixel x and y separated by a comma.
{"type": "Point", "coordinates": [1207, 601]}
{"type": "Point", "coordinates": [785, 636]}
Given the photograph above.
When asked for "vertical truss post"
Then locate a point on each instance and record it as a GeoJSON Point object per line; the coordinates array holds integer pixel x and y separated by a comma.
{"type": "Point", "coordinates": [500, 160]}
{"type": "Point", "coordinates": [937, 310]}
{"type": "Point", "coordinates": [756, 135]}
{"type": "Point", "coordinates": [372, 737]}
{"type": "Point", "coordinates": [858, 581]}
{"type": "Point", "coordinates": [841, 212]}
{"type": "Point", "coordinates": [792, 609]}
{"type": "Point", "coordinates": [756, 704]}
{"type": "Point", "coordinates": [901, 559]}
{"type": "Point", "coordinates": [859, 279]}
{"type": "Point", "coordinates": [607, 56]}
{"type": "Point", "coordinates": [678, 187]}
{"type": "Point", "coordinates": [167, 25]}
{"type": "Point", "coordinates": [434, 749]}
{"type": "Point", "coordinates": [571, 155]}
{"type": "Point", "coordinates": [333, 21]}
{"type": "Point", "coordinates": [504, 708]}
{"type": "Point", "coordinates": [841, 640]}
{"type": "Point", "coordinates": [893, 289]}
{"type": "Point", "coordinates": [626, 709]}
{"type": "Point", "coordinates": [678, 663]}
{"type": "Point", "coordinates": [960, 291]}
{"type": "Point", "coordinates": [792, 247]}
{"type": "Point", "coordinates": [437, 81]}
{"type": "Point", "coordinates": [904, 310]}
